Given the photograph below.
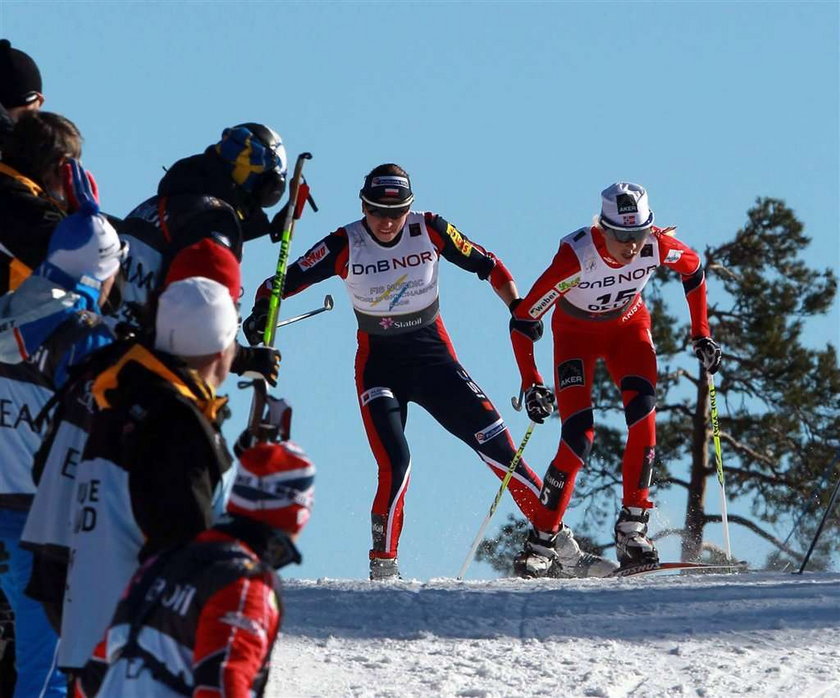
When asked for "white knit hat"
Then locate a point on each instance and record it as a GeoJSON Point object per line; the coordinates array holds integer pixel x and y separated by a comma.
{"type": "Point", "coordinates": [195, 316]}
{"type": "Point", "coordinates": [86, 244]}
{"type": "Point", "coordinates": [624, 206]}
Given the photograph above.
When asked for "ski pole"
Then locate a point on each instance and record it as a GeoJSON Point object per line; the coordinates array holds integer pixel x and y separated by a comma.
{"type": "Point", "coordinates": [713, 413]}
{"type": "Point", "coordinates": [260, 386]}
{"type": "Point", "coordinates": [328, 305]}
{"type": "Point", "coordinates": [817, 535]}
{"type": "Point", "coordinates": [513, 463]}
{"type": "Point", "coordinates": [283, 258]}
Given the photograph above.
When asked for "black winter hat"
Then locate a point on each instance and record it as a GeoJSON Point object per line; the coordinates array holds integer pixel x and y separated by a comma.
{"type": "Point", "coordinates": [20, 79]}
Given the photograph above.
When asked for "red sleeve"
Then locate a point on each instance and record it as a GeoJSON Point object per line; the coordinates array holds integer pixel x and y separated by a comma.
{"type": "Point", "coordinates": [678, 256]}
{"type": "Point", "coordinates": [562, 274]}
{"type": "Point", "coordinates": [233, 638]}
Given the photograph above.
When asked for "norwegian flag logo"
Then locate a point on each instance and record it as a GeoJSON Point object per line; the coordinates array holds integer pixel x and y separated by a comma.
{"type": "Point", "coordinates": [386, 323]}
{"type": "Point", "coordinates": [629, 220]}
{"type": "Point", "coordinates": [392, 191]}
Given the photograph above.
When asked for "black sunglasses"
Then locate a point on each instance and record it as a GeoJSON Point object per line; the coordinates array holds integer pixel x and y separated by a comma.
{"type": "Point", "coordinates": [625, 236]}
{"type": "Point", "coordinates": [392, 213]}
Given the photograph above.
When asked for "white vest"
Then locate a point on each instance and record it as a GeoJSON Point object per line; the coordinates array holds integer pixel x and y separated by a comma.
{"type": "Point", "coordinates": [603, 290]}
{"type": "Point", "coordinates": [393, 289]}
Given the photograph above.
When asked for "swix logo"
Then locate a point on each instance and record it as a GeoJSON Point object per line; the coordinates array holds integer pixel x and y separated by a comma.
{"type": "Point", "coordinates": [315, 255]}
{"type": "Point", "coordinates": [673, 256]}
{"type": "Point", "coordinates": [383, 265]}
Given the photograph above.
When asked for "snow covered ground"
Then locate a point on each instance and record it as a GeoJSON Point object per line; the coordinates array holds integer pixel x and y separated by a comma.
{"type": "Point", "coordinates": [754, 634]}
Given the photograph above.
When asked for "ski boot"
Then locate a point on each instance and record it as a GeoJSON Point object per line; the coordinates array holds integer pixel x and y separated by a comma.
{"type": "Point", "coordinates": [570, 561]}
{"type": "Point", "coordinates": [537, 557]}
{"type": "Point", "coordinates": [558, 555]}
{"type": "Point", "coordinates": [384, 569]}
{"type": "Point", "coordinates": [632, 545]}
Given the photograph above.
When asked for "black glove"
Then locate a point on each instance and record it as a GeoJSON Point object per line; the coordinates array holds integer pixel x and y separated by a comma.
{"type": "Point", "coordinates": [256, 362]}
{"type": "Point", "coordinates": [532, 329]}
{"type": "Point", "coordinates": [707, 351]}
{"type": "Point", "coordinates": [254, 325]}
{"type": "Point", "coordinates": [539, 403]}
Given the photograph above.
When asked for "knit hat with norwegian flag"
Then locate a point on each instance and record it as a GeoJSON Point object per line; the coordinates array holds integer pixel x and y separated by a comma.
{"type": "Point", "coordinates": [275, 485]}
{"type": "Point", "coordinates": [624, 206]}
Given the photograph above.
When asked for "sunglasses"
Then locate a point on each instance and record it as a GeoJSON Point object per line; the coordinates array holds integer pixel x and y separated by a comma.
{"type": "Point", "coordinates": [392, 213]}
{"type": "Point", "coordinates": [625, 236]}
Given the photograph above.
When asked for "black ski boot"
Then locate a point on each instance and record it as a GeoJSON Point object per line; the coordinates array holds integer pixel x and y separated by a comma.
{"type": "Point", "coordinates": [632, 545]}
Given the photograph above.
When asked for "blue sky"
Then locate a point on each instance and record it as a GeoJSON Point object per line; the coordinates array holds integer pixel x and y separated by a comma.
{"type": "Point", "coordinates": [510, 118]}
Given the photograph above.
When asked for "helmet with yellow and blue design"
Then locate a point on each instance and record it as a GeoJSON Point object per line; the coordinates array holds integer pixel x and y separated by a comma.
{"type": "Point", "coordinates": [257, 160]}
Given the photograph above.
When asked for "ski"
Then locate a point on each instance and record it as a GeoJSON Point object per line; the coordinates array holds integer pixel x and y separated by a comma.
{"type": "Point", "coordinates": [665, 566]}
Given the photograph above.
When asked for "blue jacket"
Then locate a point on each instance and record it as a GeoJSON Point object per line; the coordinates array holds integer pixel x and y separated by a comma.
{"type": "Point", "coordinates": [48, 324]}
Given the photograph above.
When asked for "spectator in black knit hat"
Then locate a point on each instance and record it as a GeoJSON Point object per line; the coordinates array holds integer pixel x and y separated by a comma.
{"type": "Point", "coordinates": [20, 86]}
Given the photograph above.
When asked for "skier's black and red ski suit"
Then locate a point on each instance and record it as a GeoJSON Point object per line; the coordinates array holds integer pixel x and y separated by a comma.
{"type": "Point", "coordinates": [405, 355]}
{"type": "Point", "coordinates": [599, 313]}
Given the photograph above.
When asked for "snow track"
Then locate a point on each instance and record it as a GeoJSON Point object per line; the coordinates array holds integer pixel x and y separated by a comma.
{"type": "Point", "coordinates": [701, 635]}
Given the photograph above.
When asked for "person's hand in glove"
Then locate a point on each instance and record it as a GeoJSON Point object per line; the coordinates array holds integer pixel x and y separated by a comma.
{"type": "Point", "coordinates": [707, 351]}
{"type": "Point", "coordinates": [254, 325]}
{"type": "Point", "coordinates": [257, 362]}
{"type": "Point", "coordinates": [532, 329]}
{"type": "Point", "coordinates": [539, 403]}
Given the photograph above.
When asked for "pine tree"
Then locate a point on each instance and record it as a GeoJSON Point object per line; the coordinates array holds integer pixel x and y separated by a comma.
{"type": "Point", "coordinates": [779, 400]}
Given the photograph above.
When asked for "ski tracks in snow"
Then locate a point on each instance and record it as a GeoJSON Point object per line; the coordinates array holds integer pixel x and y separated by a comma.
{"type": "Point", "coordinates": [714, 636]}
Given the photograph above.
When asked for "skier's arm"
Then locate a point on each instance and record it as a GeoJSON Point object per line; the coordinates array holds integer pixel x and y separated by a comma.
{"type": "Point", "coordinates": [678, 256]}
{"type": "Point", "coordinates": [562, 274]}
{"type": "Point", "coordinates": [455, 247]}
{"type": "Point", "coordinates": [325, 259]}
{"type": "Point", "coordinates": [233, 638]}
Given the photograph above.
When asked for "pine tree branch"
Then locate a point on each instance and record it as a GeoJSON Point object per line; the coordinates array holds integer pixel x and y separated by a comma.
{"type": "Point", "coordinates": [677, 407]}
{"type": "Point", "coordinates": [673, 481]}
{"type": "Point", "coordinates": [742, 448]}
{"type": "Point", "coordinates": [755, 528]}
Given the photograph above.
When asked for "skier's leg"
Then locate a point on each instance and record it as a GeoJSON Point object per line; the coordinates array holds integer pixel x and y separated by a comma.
{"type": "Point", "coordinates": [448, 393]}
{"type": "Point", "coordinates": [384, 417]}
{"type": "Point", "coordinates": [633, 368]}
